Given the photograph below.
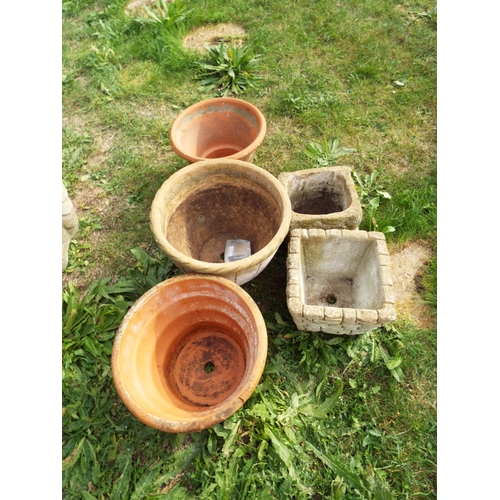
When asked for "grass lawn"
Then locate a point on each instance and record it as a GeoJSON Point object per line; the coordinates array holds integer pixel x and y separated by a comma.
{"type": "Point", "coordinates": [332, 417]}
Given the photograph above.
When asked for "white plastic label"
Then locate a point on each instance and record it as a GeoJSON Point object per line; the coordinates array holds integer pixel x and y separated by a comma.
{"type": "Point", "coordinates": [236, 250]}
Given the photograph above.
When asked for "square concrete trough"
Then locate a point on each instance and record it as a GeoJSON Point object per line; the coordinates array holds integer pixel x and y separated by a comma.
{"type": "Point", "coordinates": [322, 198]}
{"type": "Point", "coordinates": [339, 281]}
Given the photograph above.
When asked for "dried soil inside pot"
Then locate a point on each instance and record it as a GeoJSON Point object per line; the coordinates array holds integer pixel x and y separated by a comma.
{"type": "Point", "coordinates": [203, 223]}
{"type": "Point", "coordinates": [322, 198]}
{"type": "Point", "coordinates": [322, 201]}
{"type": "Point", "coordinates": [319, 193]}
{"type": "Point", "coordinates": [206, 367]}
{"type": "Point", "coordinates": [201, 207]}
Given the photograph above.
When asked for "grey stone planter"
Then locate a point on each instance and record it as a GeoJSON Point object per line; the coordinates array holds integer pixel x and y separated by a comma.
{"type": "Point", "coordinates": [339, 281]}
{"type": "Point", "coordinates": [322, 198]}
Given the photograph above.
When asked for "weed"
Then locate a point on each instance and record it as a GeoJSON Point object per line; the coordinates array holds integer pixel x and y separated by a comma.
{"type": "Point", "coordinates": [230, 69]}
{"type": "Point", "coordinates": [304, 101]}
{"type": "Point", "coordinates": [430, 15]}
{"type": "Point", "coordinates": [378, 345]}
{"type": "Point", "coordinates": [370, 192]}
{"type": "Point", "coordinates": [105, 31]}
{"type": "Point", "coordinates": [102, 57]}
{"type": "Point", "coordinates": [165, 13]}
{"type": "Point", "coordinates": [326, 153]}
{"type": "Point", "coordinates": [414, 207]}
{"type": "Point", "coordinates": [79, 256]}
{"type": "Point", "coordinates": [73, 7]}
{"type": "Point", "coordinates": [75, 150]}
{"type": "Point", "coordinates": [79, 253]}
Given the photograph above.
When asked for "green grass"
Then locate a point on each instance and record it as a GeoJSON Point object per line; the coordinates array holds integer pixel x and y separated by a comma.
{"type": "Point", "coordinates": [340, 418]}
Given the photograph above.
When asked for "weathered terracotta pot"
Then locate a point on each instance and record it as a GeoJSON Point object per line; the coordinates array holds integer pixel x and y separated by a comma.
{"type": "Point", "coordinates": [222, 127]}
{"type": "Point", "coordinates": [189, 353]}
{"type": "Point", "coordinates": [203, 205]}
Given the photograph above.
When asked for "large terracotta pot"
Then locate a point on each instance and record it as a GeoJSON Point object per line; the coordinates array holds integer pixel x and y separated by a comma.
{"type": "Point", "coordinates": [203, 205]}
{"type": "Point", "coordinates": [189, 353]}
{"type": "Point", "coordinates": [223, 127]}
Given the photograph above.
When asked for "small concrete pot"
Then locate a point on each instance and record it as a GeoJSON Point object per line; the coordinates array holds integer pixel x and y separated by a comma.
{"type": "Point", "coordinates": [222, 127]}
{"type": "Point", "coordinates": [322, 198]}
{"type": "Point", "coordinates": [339, 281]}
{"type": "Point", "coordinates": [205, 204]}
{"type": "Point", "coordinates": [189, 353]}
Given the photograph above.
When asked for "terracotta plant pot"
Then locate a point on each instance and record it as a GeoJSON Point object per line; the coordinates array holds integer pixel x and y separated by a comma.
{"type": "Point", "coordinates": [203, 205]}
{"type": "Point", "coordinates": [189, 353]}
{"type": "Point", "coordinates": [222, 127]}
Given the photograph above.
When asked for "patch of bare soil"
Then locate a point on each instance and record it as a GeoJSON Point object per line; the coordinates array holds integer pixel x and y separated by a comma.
{"type": "Point", "coordinates": [135, 6]}
{"type": "Point", "coordinates": [406, 266]}
{"type": "Point", "coordinates": [103, 139]}
{"type": "Point", "coordinates": [212, 35]}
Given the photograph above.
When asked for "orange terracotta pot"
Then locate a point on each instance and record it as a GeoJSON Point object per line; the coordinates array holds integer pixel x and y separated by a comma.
{"type": "Point", "coordinates": [222, 127]}
{"type": "Point", "coordinates": [203, 205]}
{"type": "Point", "coordinates": [189, 353]}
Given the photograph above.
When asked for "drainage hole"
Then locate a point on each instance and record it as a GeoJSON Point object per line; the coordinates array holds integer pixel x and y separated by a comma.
{"type": "Point", "coordinates": [209, 367]}
{"type": "Point", "coordinates": [331, 299]}
{"type": "Point", "coordinates": [222, 255]}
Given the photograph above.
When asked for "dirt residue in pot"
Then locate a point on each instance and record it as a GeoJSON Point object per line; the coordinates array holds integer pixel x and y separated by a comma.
{"type": "Point", "coordinates": [207, 368]}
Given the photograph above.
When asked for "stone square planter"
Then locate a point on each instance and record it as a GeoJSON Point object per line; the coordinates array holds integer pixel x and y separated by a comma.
{"type": "Point", "coordinates": [339, 281]}
{"type": "Point", "coordinates": [323, 198]}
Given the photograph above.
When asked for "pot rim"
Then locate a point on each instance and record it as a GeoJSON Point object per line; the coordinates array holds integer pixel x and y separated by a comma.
{"type": "Point", "coordinates": [239, 103]}
{"type": "Point", "coordinates": [202, 419]}
{"type": "Point", "coordinates": [223, 268]}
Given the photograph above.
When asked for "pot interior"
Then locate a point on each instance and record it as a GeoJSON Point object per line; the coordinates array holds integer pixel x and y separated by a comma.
{"type": "Point", "coordinates": [319, 193]}
{"type": "Point", "coordinates": [190, 347]}
{"type": "Point", "coordinates": [347, 278]}
{"type": "Point", "coordinates": [217, 132]}
{"type": "Point", "coordinates": [203, 344]}
{"type": "Point", "coordinates": [232, 208]}
{"type": "Point", "coordinates": [205, 366]}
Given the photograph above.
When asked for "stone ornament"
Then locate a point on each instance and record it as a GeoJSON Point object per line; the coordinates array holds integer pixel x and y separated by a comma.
{"type": "Point", "coordinates": [69, 225]}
